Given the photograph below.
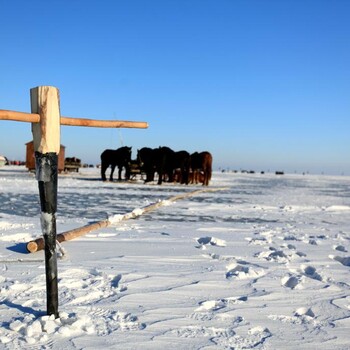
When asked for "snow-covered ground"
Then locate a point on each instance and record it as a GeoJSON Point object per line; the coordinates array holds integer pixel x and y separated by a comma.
{"type": "Point", "coordinates": [262, 264]}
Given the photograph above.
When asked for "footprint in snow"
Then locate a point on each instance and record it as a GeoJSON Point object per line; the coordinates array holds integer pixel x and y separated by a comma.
{"type": "Point", "coordinates": [254, 338]}
{"type": "Point", "coordinates": [301, 316]}
{"type": "Point", "coordinates": [293, 248]}
{"type": "Point", "coordinates": [340, 248]}
{"type": "Point", "coordinates": [301, 254]}
{"type": "Point", "coordinates": [291, 237]}
{"type": "Point", "coordinates": [80, 286]}
{"type": "Point", "coordinates": [214, 305]}
{"type": "Point", "coordinates": [289, 246]}
{"type": "Point", "coordinates": [240, 271]}
{"type": "Point", "coordinates": [257, 241]}
{"type": "Point", "coordinates": [292, 282]}
{"type": "Point", "coordinates": [310, 271]}
{"type": "Point", "coordinates": [116, 320]}
{"type": "Point", "coordinates": [304, 311]}
{"type": "Point", "coordinates": [115, 283]}
{"type": "Point", "coordinates": [315, 240]}
{"type": "Point", "coordinates": [211, 305]}
{"type": "Point", "coordinates": [343, 260]}
{"type": "Point", "coordinates": [204, 241]}
{"type": "Point", "coordinates": [274, 255]}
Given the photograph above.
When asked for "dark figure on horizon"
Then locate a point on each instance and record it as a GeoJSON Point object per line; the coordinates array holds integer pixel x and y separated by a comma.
{"type": "Point", "coordinates": [120, 157]}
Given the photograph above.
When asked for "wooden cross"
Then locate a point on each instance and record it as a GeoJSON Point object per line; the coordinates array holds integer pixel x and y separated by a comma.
{"type": "Point", "coordinates": [46, 122]}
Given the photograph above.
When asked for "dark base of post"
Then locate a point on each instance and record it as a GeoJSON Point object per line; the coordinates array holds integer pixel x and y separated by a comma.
{"type": "Point", "coordinates": [46, 174]}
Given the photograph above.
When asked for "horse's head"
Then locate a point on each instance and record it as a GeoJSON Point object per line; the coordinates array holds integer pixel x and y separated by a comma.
{"type": "Point", "coordinates": [124, 154]}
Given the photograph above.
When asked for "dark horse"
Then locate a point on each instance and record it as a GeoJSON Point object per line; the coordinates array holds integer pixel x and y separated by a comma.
{"type": "Point", "coordinates": [158, 160]}
{"type": "Point", "coordinates": [120, 157]}
{"type": "Point", "coordinates": [201, 165]}
{"type": "Point", "coordinates": [182, 162]}
{"type": "Point", "coordinates": [146, 163]}
{"type": "Point", "coordinates": [164, 163]}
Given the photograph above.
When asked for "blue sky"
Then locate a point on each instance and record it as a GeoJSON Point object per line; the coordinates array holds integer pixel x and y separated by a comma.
{"type": "Point", "coordinates": [262, 85]}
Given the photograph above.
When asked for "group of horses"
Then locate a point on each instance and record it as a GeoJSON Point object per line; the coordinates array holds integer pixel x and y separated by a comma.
{"type": "Point", "coordinates": [170, 166]}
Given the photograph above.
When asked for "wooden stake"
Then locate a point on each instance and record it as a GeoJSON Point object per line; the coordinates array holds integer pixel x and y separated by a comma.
{"type": "Point", "coordinates": [46, 121]}
{"type": "Point", "coordinates": [46, 137]}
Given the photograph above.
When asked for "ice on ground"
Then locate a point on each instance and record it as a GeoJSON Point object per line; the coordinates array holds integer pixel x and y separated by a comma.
{"type": "Point", "coordinates": [271, 271]}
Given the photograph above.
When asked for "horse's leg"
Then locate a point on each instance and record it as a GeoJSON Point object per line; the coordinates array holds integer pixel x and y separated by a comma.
{"type": "Point", "coordinates": [127, 172]}
{"type": "Point", "coordinates": [170, 173]}
{"type": "Point", "coordinates": [185, 175]}
{"type": "Point", "coordinates": [160, 176]}
{"type": "Point", "coordinates": [186, 179]}
{"type": "Point", "coordinates": [205, 178]}
{"type": "Point", "coordinates": [112, 171]}
{"type": "Point", "coordinates": [149, 174]}
{"type": "Point", "coordinates": [180, 177]}
{"type": "Point", "coordinates": [120, 168]}
{"type": "Point", "coordinates": [195, 176]}
{"type": "Point", "coordinates": [103, 171]}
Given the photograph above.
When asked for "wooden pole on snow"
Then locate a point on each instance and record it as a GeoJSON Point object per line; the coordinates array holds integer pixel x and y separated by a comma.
{"type": "Point", "coordinates": [46, 137]}
{"type": "Point", "coordinates": [38, 244]}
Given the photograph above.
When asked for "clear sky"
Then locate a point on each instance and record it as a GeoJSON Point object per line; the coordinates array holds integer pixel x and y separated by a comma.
{"type": "Point", "coordinates": [261, 84]}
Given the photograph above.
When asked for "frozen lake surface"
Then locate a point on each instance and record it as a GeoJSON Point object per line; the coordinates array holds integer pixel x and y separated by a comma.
{"type": "Point", "coordinates": [261, 264]}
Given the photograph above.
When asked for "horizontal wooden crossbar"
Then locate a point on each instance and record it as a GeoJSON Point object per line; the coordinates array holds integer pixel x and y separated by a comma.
{"type": "Point", "coordinates": [35, 118]}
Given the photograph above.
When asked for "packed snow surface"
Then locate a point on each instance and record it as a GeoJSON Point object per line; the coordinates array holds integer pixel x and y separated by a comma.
{"type": "Point", "coordinates": [261, 264]}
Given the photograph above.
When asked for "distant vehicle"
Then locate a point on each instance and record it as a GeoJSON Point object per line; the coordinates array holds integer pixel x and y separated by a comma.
{"type": "Point", "coordinates": [72, 164]}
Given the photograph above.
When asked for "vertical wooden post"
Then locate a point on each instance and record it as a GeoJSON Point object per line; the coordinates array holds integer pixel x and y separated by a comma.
{"type": "Point", "coordinates": [46, 137]}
